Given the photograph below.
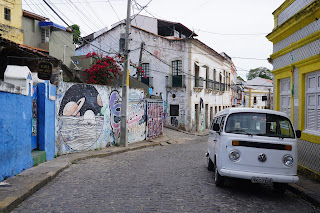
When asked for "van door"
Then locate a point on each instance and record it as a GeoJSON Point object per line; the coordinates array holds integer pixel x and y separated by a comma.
{"type": "Point", "coordinates": [211, 137]}
{"type": "Point", "coordinates": [218, 138]}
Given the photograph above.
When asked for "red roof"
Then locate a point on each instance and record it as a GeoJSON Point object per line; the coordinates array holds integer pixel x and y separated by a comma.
{"type": "Point", "coordinates": [33, 16]}
{"type": "Point", "coordinates": [26, 48]}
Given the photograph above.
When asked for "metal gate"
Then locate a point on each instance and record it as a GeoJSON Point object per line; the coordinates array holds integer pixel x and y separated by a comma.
{"type": "Point", "coordinates": [154, 118]}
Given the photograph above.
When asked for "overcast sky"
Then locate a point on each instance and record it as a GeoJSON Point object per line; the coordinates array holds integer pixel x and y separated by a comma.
{"type": "Point", "coordinates": [236, 27]}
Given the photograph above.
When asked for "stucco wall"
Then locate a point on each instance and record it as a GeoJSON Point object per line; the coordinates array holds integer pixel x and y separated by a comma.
{"type": "Point", "coordinates": [57, 48]}
{"type": "Point", "coordinates": [31, 32]}
{"type": "Point", "coordinates": [46, 116]}
{"type": "Point", "coordinates": [15, 131]}
{"type": "Point", "coordinates": [88, 117]}
{"type": "Point", "coordinates": [12, 29]}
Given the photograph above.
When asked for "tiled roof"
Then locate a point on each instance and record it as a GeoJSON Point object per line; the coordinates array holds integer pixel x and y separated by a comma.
{"type": "Point", "coordinates": [32, 50]}
{"type": "Point", "coordinates": [33, 15]}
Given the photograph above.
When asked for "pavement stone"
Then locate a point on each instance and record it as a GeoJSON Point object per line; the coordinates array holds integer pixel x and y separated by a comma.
{"type": "Point", "coordinates": [15, 190]}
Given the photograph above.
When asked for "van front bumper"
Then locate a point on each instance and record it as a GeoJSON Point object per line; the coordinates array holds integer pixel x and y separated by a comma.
{"type": "Point", "coordinates": [250, 175]}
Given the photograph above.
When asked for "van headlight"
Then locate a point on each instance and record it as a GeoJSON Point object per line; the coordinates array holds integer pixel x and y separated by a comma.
{"type": "Point", "coordinates": [234, 155]}
{"type": "Point", "coordinates": [288, 160]}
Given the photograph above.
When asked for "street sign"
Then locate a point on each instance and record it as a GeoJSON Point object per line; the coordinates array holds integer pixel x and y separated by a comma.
{"type": "Point", "coordinates": [45, 71]}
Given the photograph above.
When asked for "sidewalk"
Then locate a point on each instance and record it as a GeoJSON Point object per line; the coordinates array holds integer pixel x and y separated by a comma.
{"type": "Point", "coordinates": [15, 190]}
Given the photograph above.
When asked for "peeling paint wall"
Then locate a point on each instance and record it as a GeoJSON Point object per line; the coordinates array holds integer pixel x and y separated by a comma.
{"type": "Point", "coordinates": [177, 100]}
{"type": "Point", "coordinates": [88, 117]}
{"type": "Point", "coordinates": [12, 29]}
{"type": "Point", "coordinates": [15, 132]}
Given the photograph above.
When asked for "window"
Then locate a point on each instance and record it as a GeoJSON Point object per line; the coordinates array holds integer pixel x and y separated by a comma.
{"type": "Point", "coordinates": [145, 67]}
{"type": "Point", "coordinates": [45, 35]}
{"type": "Point", "coordinates": [174, 110]}
{"type": "Point", "coordinates": [7, 15]}
{"type": "Point", "coordinates": [122, 42]}
{"type": "Point", "coordinates": [285, 96]}
{"type": "Point", "coordinates": [177, 73]}
{"type": "Point", "coordinates": [261, 124]}
{"type": "Point", "coordinates": [208, 85]}
{"type": "Point", "coordinates": [222, 123]}
{"type": "Point", "coordinates": [312, 117]}
{"type": "Point", "coordinates": [177, 67]}
{"type": "Point", "coordinates": [255, 100]}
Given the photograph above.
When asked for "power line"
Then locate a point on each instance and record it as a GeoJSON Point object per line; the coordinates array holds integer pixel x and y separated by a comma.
{"type": "Point", "coordinates": [142, 8]}
{"type": "Point", "coordinates": [72, 29]}
{"type": "Point", "coordinates": [114, 10]}
{"type": "Point", "coordinates": [233, 34]}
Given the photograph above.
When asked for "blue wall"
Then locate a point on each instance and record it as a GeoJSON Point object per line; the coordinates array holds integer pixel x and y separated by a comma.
{"type": "Point", "coordinates": [15, 134]}
{"type": "Point", "coordinates": [46, 116]}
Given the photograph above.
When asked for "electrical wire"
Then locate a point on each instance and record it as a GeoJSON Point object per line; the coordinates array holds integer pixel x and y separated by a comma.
{"type": "Point", "coordinates": [114, 10]}
{"type": "Point", "coordinates": [74, 31]}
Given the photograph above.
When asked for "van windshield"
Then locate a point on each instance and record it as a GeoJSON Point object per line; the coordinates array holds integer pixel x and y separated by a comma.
{"type": "Point", "coordinates": [261, 124]}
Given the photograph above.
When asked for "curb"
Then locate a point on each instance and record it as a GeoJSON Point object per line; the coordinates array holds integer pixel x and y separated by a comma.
{"type": "Point", "coordinates": [301, 192]}
{"type": "Point", "coordinates": [9, 203]}
{"type": "Point", "coordinates": [189, 133]}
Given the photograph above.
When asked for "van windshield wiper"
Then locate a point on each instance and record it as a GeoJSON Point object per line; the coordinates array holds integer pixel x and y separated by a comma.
{"type": "Point", "coordinates": [240, 131]}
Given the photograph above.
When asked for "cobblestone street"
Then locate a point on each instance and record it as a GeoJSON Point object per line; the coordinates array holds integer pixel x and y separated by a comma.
{"type": "Point", "coordinates": [170, 178]}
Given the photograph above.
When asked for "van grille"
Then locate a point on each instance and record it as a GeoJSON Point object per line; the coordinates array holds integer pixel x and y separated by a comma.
{"type": "Point", "coordinates": [262, 145]}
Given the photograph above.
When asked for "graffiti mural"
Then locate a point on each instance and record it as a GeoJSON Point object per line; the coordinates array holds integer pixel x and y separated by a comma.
{"type": "Point", "coordinates": [136, 117]}
{"type": "Point", "coordinates": [174, 121]}
{"type": "Point", "coordinates": [115, 114]}
{"type": "Point", "coordinates": [154, 118]}
{"type": "Point", "coordinates": [80, 117]}
{"type": "Point", "coordinates": [89, 117]}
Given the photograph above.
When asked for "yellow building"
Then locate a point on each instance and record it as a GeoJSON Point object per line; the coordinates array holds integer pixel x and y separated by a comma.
{"type": "Point", "coordinates": [296, 69]}
{"type": "Point", "coordinates": [11, 20]}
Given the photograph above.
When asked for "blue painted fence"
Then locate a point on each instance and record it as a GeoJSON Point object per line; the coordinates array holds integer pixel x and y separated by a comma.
{"type": "Point", "coordinates": [16, 122]}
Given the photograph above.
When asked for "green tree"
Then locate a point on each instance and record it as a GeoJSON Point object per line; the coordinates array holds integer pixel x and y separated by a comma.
{"type": "Point", "coordinates": [76, 34]}
{"type": "Point", "coordinates": [261, 72]}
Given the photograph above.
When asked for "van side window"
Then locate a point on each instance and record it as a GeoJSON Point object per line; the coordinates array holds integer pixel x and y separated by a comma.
{"type": "Point", "coordinates": [212, 123]}
{"type": "Point", "coordinates": [222, 123]}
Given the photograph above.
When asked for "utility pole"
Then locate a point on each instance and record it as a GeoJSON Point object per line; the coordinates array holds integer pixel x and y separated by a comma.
{"type": "Point", "coordinates": [140, 60]}
{"type": "Point", "coordinates": [125, 84]}
{"type": "Point", "coordinates": [269, 99]}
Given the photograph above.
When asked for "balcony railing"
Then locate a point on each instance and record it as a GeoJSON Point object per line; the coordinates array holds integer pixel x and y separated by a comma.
{"type": "Point", "coordinates": [148, 81]}
{"type": "Point", "coordinates": [216, 86]}
{"type": "Point", "coordinates": [209, 84]}
{"type": "Point", "coordinates": [199, 82]}
{"type": "Point", "coordinates": [222, 87]}
{"type": "Point", "coordinates": [175, 81]}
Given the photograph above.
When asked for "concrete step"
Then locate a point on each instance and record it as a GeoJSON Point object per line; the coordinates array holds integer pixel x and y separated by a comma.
{"type": "Point", "coordinates": [38, 157]}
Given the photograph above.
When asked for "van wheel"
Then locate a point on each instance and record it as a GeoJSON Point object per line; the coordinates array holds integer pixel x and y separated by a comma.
{"type": "Point", "coordinates": [218, 179]}
{"type": "Point", "coordinates": [280, 187]}
{"type": "Point", "coordinates": [210, 164]}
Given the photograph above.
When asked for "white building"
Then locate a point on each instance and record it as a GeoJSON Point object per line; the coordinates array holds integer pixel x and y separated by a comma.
{"type": "Point", "coordinates": [193, 79]}
{"type": "Point", "coordinates": [258, 93]}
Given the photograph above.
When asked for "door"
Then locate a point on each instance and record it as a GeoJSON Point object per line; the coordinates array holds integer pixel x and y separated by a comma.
{"type": "Point", "coordinates": [34, 137]}
{"type": "Point", "coordinates": [196, 117]}
{"type": "Point", "coordinates": [285, 96]}
{"type": "Point", "coordinates": [206, 116]}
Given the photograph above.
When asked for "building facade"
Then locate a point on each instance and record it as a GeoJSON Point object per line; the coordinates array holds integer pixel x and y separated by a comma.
{"type": "Point", "coordinates": [10, 20]}
{"type": "Point", "coordinates": [192, 78]}
{"type": "Point", "coordinates": [296, 68]}
{"type": "Point", "coordinates": [258, 93]}
{"type": "Point", "coordinates": [41, 33]}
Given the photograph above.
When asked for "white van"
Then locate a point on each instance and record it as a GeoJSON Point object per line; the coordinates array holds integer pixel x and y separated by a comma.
{"type": "Point", "coordinates": [255, 144]}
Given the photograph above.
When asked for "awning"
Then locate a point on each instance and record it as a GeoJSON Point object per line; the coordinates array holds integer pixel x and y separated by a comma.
{"type": "Point", "coordinates": [51, 24]}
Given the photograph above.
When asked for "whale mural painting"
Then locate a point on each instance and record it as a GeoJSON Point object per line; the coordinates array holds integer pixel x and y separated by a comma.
{"type": "Point", "coordinates": [80, 117]}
